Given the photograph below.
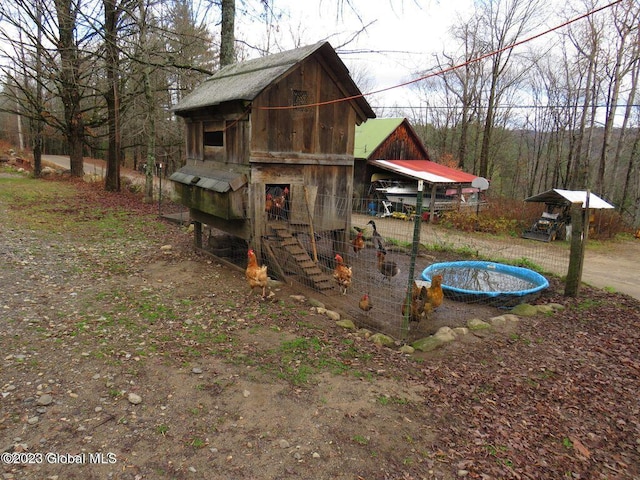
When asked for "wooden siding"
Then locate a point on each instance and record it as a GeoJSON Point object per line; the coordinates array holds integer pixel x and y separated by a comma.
{"type": "Point", "coordinates": [194, 140]}
{"type": "Point", "coordinates": [209, 152]}
{"type": "Point", "coordinates": [325, 129]}
{"type": "Point", "coordinates": [233, 119]}
{"type": "Point", "coordinates": [332, 209]}
{"type": "Point", "coordinates": [400, 145]}
{"type": "Point", "coordinates": [237, 138]}
{"type": "Point", "coordinates": [331, 202]}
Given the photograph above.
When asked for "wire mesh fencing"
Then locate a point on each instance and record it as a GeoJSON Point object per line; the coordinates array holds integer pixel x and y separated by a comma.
{"type": "Point", "coordinates": [387, 257]}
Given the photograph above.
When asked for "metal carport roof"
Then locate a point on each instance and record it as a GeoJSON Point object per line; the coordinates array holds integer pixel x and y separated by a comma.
{"type": "Point", "coordinates": [426, 170]}
{"type": "Point", "coordinates": [559, 196]}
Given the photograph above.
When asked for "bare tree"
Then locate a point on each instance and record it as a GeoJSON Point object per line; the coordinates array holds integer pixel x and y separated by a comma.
{"type": "Point", "coordinates": [53, 52]}
{"type": "Point", "coordinates": [467, 78]}
{"type": "Point", "coordinates": [587, 40]}
{"type": "Point", "coordinates": [70, 90]}
{"type": "Point", "coordinates": [112, 14]}
{"type": "Point", "coordinates": [150, 124]}
{"type": "Point", "coordinates": [227, 33]}
{"type": "Point", "coordinates": [631, 175]}
{"type": "Point", "coordinates": [625, 19]}
{"type": "Point", "coordinates": [505, 22]}
{"type": "Point", "coordinates": [37, 120]}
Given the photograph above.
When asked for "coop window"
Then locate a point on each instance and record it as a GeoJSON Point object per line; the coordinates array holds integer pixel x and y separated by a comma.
{"type": "Point", "coordinates": [214, 139]}
{"type": "Point", "coordinates": [300, 97]}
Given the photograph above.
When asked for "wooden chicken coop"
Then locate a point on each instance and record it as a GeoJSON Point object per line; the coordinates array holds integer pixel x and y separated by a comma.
{"type": "Point", "coordinates": [269, 149]}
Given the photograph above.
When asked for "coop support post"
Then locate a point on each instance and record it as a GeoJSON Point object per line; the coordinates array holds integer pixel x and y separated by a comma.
{"type": "Point", "coordinates": [417, 224]}
{"type": "Point", "coordinates": [311, 231]}
{"type": "Point", "coordinates": [576, 255]}
{"type": "Point", "coordinates": [197, 234]}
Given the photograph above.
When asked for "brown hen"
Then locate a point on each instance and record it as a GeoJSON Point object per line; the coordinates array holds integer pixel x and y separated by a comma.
{"type": "Point", "coordinates": [342, 274]}
{"type": "Point", "coordinates": [435, 295]}
{"type": "Point", "coordinates": [256, 275]}
{"type": "Point", "coordinates": [358, 243]}
{"type": "Point", "coordinates": [416, 304]}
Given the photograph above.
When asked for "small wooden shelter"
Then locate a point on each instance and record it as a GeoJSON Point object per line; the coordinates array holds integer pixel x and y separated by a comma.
{"type": "Point", "coordinates": [281, 125]}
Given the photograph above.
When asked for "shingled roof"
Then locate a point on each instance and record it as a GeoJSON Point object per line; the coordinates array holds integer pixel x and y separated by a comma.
{"type": "Point", "coordinates": [245, 80]}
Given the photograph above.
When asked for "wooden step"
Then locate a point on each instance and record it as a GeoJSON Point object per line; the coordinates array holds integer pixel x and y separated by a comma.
{"type": "Point", "coordinates": [281, 231]}
{"type": "Point", "coordinates": [313, 275]}
{"type": "Point", "coordinates": [285, 242]}
{"type": "Point", "coordinates": [324, 285]}
{"type": "Point", "coordinates": [296, 250]}
{"type": "Point", "coordinates": [307, 263]}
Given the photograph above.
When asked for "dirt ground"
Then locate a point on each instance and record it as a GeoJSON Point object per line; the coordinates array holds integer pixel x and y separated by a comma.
{"type": "Point", "coordinates": [142, 359]}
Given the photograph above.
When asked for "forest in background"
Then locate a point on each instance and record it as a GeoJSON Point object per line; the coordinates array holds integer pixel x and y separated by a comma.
{"type": "Point", "coordinates": [98, 79]}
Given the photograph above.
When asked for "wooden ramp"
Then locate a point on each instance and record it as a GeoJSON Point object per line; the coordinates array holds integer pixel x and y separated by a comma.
{"type": "Point", "coordinates": [294, 260]}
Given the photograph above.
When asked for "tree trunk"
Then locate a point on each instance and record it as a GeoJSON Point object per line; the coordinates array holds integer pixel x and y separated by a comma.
{"type": "Point", "coordinates": [151, 139]}
{"type": "Point", "coordinates": [150, 106]}
{"type": "Point", "coordinates": [612, 101]}
{"type": "Point", "coordinates": [483, 171]}
{"type": "Point", "coordinates": [70, 89]}
{"type": "Point", "coordinates": [227, 33]}
{"type": "Point", "coordinates": [634, 71]}
{"type": "Point", "coordinates": [112, 96]}
{"type": "Point", "coordinates": [37, 133]}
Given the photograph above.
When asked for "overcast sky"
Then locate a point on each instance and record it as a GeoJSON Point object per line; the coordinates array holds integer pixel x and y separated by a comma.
{"type": "Point", "coordinates": [399, 39]}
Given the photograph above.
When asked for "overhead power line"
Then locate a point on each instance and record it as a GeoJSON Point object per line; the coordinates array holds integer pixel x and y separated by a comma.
{"type": "Point", "coordinates": [448, 69]}
{"type": "Point", "coordinates": [525, 107]}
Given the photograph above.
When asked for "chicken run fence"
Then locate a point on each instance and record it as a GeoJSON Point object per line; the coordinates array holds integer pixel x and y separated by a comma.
{"type": "Point", "coordinates": [411, 249]}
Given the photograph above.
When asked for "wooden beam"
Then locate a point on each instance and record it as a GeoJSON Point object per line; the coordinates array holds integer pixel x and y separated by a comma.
{"type": "Point", "coordinates": [300, 158]}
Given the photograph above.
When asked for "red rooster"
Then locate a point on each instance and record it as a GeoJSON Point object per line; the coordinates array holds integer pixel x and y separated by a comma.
{"type": "Point", "coordinates": [280, 204]}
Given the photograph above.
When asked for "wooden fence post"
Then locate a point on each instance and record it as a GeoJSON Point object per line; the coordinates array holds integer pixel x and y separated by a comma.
{"type": "Point", "coordinates": [576, 255]}
{"type": "Point", "coordinates": [197, 234]}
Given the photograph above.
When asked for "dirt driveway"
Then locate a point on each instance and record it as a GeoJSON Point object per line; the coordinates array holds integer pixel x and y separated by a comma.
{"type": "Point", "coordinates": [614, 266]}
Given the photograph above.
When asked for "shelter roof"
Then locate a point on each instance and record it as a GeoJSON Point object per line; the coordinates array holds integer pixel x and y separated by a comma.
{"type": "Point", "coordinates": [559, 196]}
{"type": "Point", "coordinates": [220, 181]}
{"type": "Point", "coordinates": [246, 80]}
{"type": "Point", "coordinates": [425, 170]}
